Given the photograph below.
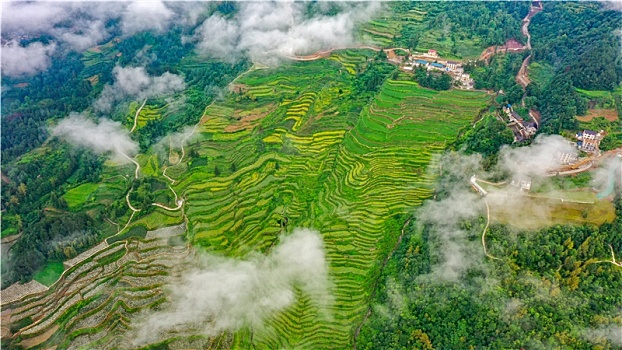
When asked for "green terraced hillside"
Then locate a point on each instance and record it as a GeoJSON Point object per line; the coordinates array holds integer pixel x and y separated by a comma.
{"type": "Point", "coordinates": [288, 147]}
{"type": "Point", "coordinates": [291, 146]}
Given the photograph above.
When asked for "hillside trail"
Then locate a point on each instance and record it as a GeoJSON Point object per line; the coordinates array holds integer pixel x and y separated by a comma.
{"type": "Point", "coordinates": [325, 53]}
{"type": "Point", "coordinates": [486, 230]}
{"type": "Point", "coordinates": [613, 259]}
{"type": "Point", "coordinates": [179, 201]}
{"type": "Point", "coordinates": [136, 116]}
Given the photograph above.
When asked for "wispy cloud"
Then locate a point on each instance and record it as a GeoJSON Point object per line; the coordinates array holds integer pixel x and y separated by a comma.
{"type": "Point", "coordinates": [134, 82]}
{"type": "Point", "coordinates": [223, 294]}
{"type": "Point", "coordinates": [104, 136]}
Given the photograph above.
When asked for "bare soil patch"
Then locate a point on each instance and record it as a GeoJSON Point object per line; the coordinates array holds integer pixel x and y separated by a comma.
{"type": "Point", "coordinates": [609, 114]}
{"type": "Point", "coordinates": [31, 342]}
{"type": "Point", "coordinates": [238, 88]}
{"type": "Point", "coordinates": [247, 121]}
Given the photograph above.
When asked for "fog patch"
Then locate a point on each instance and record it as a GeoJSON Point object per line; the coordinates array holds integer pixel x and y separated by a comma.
{"type": "Point", "coordinates": [20, 60]}
{"type": "Point", "coordinates": [102, 137]}
{"type": "Point", "coordinates": [602, 335]}
{"type": "Point", "coordinates": [266, 31]}
{"type": "Point", "coordinates": [134, 82]}
{"type": "Point", "coordinates": [538, 158]}
{"type": "Point", "coordinates": [225, 294]}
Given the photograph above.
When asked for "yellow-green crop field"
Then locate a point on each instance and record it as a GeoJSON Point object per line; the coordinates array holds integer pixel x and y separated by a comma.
{"type": "Point", "coordinates": [354, 176]}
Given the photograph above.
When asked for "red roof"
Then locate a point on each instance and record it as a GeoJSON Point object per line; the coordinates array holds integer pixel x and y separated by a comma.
{"type": "Point", "coordinates": [431, 51]}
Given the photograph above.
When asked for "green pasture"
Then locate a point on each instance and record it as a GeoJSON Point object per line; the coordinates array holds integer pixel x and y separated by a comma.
{"type": "Point", "coordinates": [78, 196]}
{"type": "Point", "coordinates": [540, 73]}
{"type": "Point", "coordinates": [542, 212]}
{"type": "Point", "coordinates": [50, 273]}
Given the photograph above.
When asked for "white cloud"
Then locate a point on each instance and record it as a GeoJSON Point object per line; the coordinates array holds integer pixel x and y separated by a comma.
{"type": "Point", "coordinates": [105, 136]}
{"type": "Point", "coordinates": [227, 294]}
{"type": "Point", "coordinates": [19, 61]}
{"type": "Point", "coordinates": [141, 16]}
{"type": "Point", "coordinates": [134, 82]}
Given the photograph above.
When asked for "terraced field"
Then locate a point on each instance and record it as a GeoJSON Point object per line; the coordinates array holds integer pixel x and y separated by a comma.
{"type": "Point", "coordinates": [383, 29]}
{"type": "Point", "coordinates": [96, 298]}
{"type": "Point", "coordinates": [420, 17]}
{"type": "Point", "coordinates": [289, 147]}
{"type": "Point", "coordinates": [147, 113]}
{"type": "Point", "coordinates": [310, 162]}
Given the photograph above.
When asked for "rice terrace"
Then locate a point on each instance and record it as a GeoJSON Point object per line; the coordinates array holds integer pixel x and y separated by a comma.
{"type": "Point", "coordinates": [225, 175]}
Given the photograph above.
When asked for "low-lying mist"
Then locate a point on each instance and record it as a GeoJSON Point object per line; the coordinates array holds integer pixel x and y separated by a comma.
{"type": "Point", "coordinates": [459, 202]}
{"type": "Point", "coordinates": [103, 136]}
{"type": "Point", "coordinates": [225, 294]}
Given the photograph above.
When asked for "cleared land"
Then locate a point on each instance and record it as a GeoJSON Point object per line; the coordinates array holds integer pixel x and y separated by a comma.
{"type": "Point", "coordinates": [609, 114]}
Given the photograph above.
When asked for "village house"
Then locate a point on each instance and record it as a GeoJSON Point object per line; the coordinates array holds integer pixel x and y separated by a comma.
{"type": "Point", "coordinates": [465, 77]}
{"type": "Point", "coordinates": [522, 129]}
{"type": "Point", "coordinates": [452, 65]}
{"type": "Point", "coordinates": [589, 140]}
{"type": "Point", "coordinates": [566, 158]}
{"type": "Point", "coordinates": [431, 62]}
{"type": "Point", "coordinates": [432, 53]}
{"type": "Point", "coordinates": [436, 66]}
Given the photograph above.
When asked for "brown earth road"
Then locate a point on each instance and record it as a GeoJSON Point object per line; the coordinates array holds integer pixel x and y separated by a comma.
{"type": "Point", "coordinates": [521, 77]}
{"type": "Point", "coordinates": [326, 53]}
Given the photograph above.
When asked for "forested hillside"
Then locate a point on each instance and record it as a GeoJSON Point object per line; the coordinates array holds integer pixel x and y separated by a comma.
{"type": "Point", "coordinates": [552, 287]}
{"type": "Point", "coordinates": [580, 39]}
{"type": "Point", "coordinates": [580, 43]}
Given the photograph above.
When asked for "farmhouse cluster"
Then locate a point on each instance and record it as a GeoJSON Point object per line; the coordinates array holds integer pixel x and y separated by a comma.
{"type": "Point", "coordinates": [589, 141]}
{"type": "Point", "coordinates": [432, 62]}
{"type": "Point", "coordinates": [521, 128]}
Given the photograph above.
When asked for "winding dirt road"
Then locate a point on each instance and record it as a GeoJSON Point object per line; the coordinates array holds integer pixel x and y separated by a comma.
{"type": "Point", "coordinates": [486, 230]}
{"type": "Point", "coordinates": [136, 116]}
{"type": "Point", "coordinates": [521, 77]}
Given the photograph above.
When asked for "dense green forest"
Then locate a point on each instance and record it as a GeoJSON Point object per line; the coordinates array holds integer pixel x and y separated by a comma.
{"type": "Point", "coordinates": [551, 287]}
{"type": "Point", "coordinates": [485, 137]}
{"type": "Point", "coordinates": [436, 81]}
{"type": "Point", "coordinates": [493, 22]}
{"type": "Point", "coordinates": [579, 42]}
{"type": "Point", "coordinates": [499, 74]}
{"type": "Point", "coordinates": [579, 39]}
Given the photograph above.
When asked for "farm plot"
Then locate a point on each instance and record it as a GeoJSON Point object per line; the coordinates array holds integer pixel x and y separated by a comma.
{"type": "Point", "coordinates": [355, 180]}
{"type": "Point", "coordinates": [294, 148]}
{"type": "Point", "coordinates": [94, 303]}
